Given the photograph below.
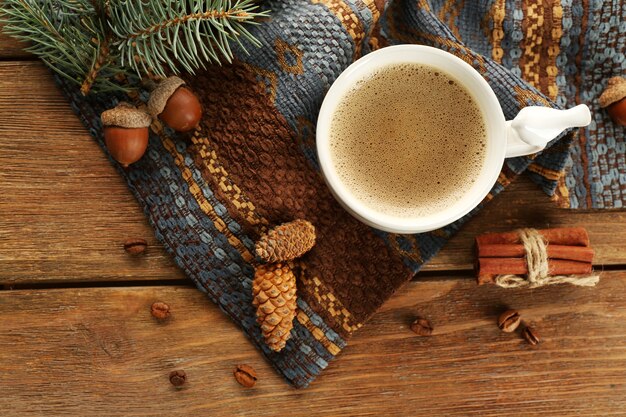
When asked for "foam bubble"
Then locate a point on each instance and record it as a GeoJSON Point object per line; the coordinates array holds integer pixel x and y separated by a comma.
{"type": "Point", "coordinates": [408, 141]}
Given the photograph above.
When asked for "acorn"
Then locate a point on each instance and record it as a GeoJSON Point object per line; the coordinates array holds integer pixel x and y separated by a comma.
{"type": "Point", "coordinates": [614, 99]}
{"type": "Point", "coordinates": [126, 132]}
{"type": "Point", "coordinates": [175, 104]}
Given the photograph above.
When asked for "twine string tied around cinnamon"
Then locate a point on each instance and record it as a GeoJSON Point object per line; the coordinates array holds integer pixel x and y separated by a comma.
{"type": "Point", "coordinates": [538, 272]}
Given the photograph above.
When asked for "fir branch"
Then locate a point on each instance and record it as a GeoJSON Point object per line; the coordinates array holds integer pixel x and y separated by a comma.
{"type": "Point", "coordinates": [101, 58]}
{"type": "Point", "coordinates": [62, 34]}
{"type": "Point", "coordinates": [95, 42]}
{"type": "Point", "coordinates": [187, 33]}
{"type": "Point", "coordinates": [209, 14]}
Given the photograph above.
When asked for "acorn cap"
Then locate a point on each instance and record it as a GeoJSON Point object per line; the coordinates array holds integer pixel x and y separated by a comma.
{"type": "Point", "coordinates": [126, 115]}
{"type": "Point", "coordinates": [615, 91]}
{"type": "Point", "coordinates": [162, 92]}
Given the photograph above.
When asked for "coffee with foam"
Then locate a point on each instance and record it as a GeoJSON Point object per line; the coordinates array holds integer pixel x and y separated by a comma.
{"type": "Point", "coordinates": [408, 140]}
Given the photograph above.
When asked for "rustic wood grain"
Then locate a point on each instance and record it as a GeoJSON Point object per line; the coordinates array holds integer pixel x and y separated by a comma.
{"type": "Point", "coordinates": [98, 351]}
{"type": "Point", "coordinates": [523, 205]}
{"type": "Point", "coordinates": [11, 48]}
{"type": "Point", "coordinates": [65, 211]}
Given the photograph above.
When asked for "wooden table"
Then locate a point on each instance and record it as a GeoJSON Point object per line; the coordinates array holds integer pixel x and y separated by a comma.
{"type": "Point", "coordinates": [77, 338]}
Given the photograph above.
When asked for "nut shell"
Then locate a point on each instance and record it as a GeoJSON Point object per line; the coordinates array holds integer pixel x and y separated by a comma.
{"type": "Point", "coordinates": [617, 111]}
{"type": "Point", "coordinates": [126, 145]}
{"type": "Point", "coordinates": [182, 111]}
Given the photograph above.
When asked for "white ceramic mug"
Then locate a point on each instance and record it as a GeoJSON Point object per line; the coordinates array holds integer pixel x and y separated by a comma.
{"type": "Point", "coordinates": [528, 133]}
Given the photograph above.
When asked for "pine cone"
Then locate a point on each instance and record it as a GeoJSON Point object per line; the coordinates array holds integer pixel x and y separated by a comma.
{"type": "Point", "coordinates": [274, 296]}
{"type": "Point", "coordinates": [287, 241]}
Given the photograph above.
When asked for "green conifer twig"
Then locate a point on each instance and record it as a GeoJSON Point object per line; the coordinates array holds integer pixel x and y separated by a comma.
{"type": "Point", "coordinates": [94, 42]}
{"type": "Point", "coordinates": [185, 34]}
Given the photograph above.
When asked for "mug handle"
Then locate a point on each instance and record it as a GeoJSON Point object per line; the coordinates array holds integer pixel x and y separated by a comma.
{"type": "Point", "coordinates": [535, 126]}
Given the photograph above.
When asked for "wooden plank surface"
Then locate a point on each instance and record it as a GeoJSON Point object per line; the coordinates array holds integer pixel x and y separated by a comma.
{"type": "Point", "coordinates": [523, 204]}
{"type": "Point", "coordinates": [97, 351]}
{"type": "Point", "coordinates": [65, 211]}
{"type": "Point", "coordinates": [11, 48]}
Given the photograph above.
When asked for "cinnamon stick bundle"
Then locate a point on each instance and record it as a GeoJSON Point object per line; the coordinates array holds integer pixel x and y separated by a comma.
{"type": "Point", "coordinates": [567, 250]}
{"type": "Point", "coordinates": [490, 268]}
{"type": "Point", "coordinates": [571, 253]}
{"type": "Point", "coordinates": [567, 236]}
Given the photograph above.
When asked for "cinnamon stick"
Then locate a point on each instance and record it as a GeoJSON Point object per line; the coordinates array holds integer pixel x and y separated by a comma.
{"type": "Point", "coordinates": [509, 250]}
{"type": "Point", "coordinates": [489, 268]}
{"type": "Point", "coordinates": [566, 236]}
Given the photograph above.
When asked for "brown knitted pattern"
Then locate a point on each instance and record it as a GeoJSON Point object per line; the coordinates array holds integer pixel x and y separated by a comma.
{"type": "Point", "coordinates": [261, 154]}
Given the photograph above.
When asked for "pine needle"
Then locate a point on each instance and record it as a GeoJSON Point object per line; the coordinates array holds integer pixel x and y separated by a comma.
{"type": "Point", "coordinates": [94, 42]}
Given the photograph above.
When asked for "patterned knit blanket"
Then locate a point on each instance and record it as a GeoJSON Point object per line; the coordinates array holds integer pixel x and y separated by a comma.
{"type": "Point", "coordinates": [252, 164]}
